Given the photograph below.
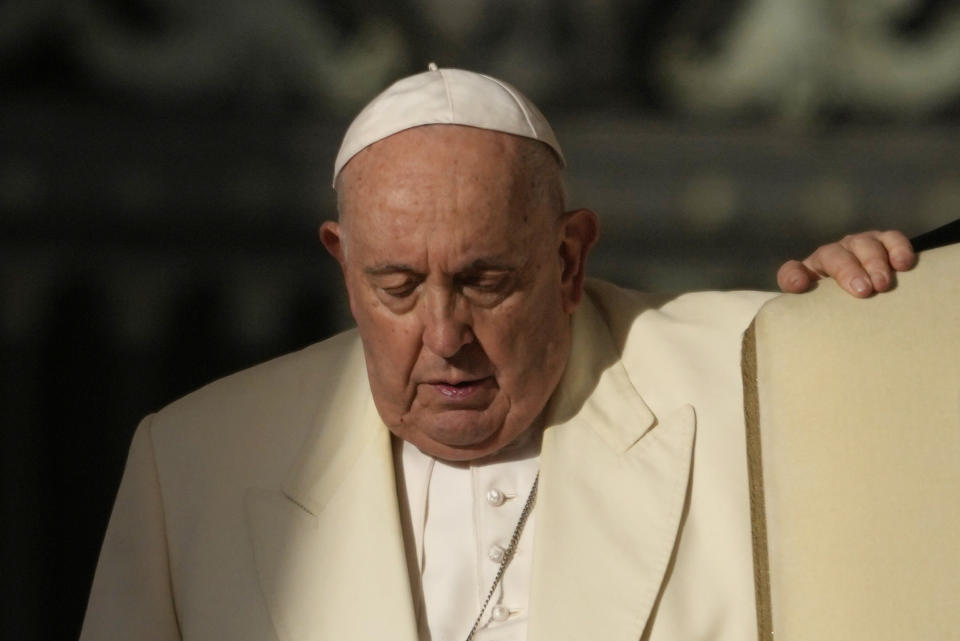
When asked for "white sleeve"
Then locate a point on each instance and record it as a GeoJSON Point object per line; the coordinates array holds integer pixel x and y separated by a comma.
{"type": "Point", "coordinates": [132, 596]}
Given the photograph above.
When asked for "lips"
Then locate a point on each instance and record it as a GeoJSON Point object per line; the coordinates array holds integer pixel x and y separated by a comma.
{"type": "Point", "coordinates": [465, 391]}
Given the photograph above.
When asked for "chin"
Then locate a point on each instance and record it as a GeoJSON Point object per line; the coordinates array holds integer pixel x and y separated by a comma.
{"type": "Point", "coordinates": [463, 438]}
{"type": "Point", "coordinates": [449, 443]}
{"type": "Point", "coordinates": [457, 454]}
{"type": "Point", "coordinates": [464, 443]}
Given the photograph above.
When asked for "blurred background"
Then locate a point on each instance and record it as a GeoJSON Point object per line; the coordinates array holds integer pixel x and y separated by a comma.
{"type": "Point", "coordinates": [164, 165]}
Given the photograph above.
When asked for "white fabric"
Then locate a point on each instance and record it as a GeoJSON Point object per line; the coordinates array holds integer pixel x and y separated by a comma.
{"type": "Point", "coordinates": [456, 525]}
{"type": "Point", "coordinates": [264, 507]}
{"type": "Point", "coordinates": [445, 97]}
{"type": "Point", "coordinates": [854, 420]}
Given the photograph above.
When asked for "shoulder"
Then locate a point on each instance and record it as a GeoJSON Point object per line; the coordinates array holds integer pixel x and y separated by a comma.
{"type": "Point", "coordinates": [677, 347]}
{"type": "Point", "coordinates": [696, 314]}
{"type": "Point", "coordinates": [276, 383]}
{"type": "Point", "coordinates": [260, 414]}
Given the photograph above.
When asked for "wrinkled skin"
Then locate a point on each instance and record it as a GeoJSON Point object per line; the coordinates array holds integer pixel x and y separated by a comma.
{"type": "Point", "coordinates": [462, 274]}
{"type": "Point", "coordinates": [463, 271]}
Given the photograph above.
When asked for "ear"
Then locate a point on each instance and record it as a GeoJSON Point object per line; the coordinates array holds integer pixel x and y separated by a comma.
{"type": "Point", "coordinates": [332, 239]}
{"type": "Point", "coordinates": [578, 234]}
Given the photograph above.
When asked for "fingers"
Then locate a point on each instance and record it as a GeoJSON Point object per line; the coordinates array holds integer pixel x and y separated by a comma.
{"type": "Point", "coordinates": [863, 263]}
{"type": "Point", "coordinates": [795, 278]}
{"type": "Point", "coordinates": [838, 262]}
{"type": "Point", "coordinates": [902, 256]}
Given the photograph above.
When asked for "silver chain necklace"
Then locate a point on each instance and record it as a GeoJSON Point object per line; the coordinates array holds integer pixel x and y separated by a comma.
{"type": "Point", "coordinates": [508, 554]}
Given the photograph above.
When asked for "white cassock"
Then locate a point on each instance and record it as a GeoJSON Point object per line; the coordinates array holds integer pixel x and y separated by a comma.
{"type": "Point", "coordinates": [462, 516]}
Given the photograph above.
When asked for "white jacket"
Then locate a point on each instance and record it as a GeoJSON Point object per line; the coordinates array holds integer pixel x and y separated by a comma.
{"type": "Point", "coordinates": [264, 505]}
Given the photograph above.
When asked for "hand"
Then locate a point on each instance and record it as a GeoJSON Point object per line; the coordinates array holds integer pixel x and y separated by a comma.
{"type": "Point", "coordinates": [860, 263]}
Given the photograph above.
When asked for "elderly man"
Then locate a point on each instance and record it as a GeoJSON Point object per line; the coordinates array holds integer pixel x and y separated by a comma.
{"type": "Point", "coordinates": [501, 450]}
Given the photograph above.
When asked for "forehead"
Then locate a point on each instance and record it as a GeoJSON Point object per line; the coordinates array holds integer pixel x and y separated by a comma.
{"type": "Point", "coordinates": [443, 178]}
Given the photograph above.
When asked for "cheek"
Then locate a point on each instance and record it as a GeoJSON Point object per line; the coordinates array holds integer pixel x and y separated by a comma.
{"type": "Point", "coordinates": [525, 340]}
{"type": "Point", "coordinates": [391, 344]}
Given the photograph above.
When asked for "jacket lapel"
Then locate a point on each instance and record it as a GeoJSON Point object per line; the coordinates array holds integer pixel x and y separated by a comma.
{"type": "Point", "coordinates": [329, 547]}
{"type": "Point", "coordinates": [605, 531]}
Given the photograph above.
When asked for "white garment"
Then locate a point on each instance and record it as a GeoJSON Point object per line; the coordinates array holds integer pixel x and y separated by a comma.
{"type": "Point", "coordinates": [463, 516]}
{"type": "Point", "coordinates": [265, 505]}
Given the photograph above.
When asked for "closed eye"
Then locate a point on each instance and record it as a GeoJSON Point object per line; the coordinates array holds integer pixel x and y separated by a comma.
{"type": "Point", "coordinates": [488, 287]}
{"type": "Point", "coordinates": [395, 284]}
{"type": "Point", "coordinates": [401, 291]}
{"type": "Point", "coordinates": [485, 284]}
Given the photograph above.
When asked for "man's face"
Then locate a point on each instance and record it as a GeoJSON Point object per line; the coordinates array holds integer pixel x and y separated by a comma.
{"type": "Point", "coordinates": [462, 274]}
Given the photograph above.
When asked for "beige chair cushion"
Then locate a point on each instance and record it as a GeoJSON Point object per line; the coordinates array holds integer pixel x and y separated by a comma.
{"type": "Point", "coordinates": [853, 425]}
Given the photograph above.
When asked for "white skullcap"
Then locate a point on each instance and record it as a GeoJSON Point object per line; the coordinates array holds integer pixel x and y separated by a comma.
{"type": "Point", "coordinates": [450, 97]}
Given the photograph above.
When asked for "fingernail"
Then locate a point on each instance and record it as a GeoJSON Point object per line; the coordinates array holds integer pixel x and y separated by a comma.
{"type": "Point", "coordinates": [900, 259]}
{"type": "Point", "coordinates": [860, 285]}
{"type": "Point", "coordinates": [879, 280]}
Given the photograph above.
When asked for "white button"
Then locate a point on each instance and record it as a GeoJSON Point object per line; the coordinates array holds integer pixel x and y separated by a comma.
{"type": "Point", "coordinates": [500, 613]}
{"type": "Point", "coordinates": [496, 553]}
{"type": "Point", "coordinates": [496, 498]}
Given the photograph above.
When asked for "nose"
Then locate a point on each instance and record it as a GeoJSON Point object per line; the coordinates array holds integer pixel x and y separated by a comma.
{"type": "Point", "coordinates": [447, 323]}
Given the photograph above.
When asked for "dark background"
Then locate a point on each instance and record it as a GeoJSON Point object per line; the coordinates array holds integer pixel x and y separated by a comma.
{"type": "Point", "coordinates": [164, 165]}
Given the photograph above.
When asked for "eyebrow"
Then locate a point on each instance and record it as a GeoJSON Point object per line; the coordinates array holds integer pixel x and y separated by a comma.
{"type": "Point", "coordinates": [477, 265]}
{"type": "Point", "coordinates": [489, 263]}
{"type": "Point", "coordinates": [389, 268]}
